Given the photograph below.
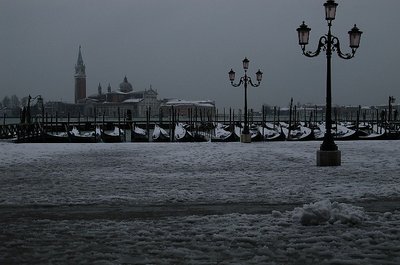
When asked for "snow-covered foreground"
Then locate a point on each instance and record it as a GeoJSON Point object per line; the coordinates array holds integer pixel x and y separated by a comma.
{"type": "Point", "coordinates": [199, 203]}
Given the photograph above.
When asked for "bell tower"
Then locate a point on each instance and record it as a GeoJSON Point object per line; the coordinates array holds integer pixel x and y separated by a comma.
{"type": "Point", "coordinates": [80, 79]}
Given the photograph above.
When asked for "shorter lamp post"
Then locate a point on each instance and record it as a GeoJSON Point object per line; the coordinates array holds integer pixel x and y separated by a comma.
{"type": "Point", "coordinates": [329, 155]}
{"type": "Point", "coordinates": [245, 137]}
{"type": "Point", "coordinates": [391, 101]}
{"type": "Point", "coordinates": [39, 102]}
{"type": "Point", "coordinates": [41, 106]}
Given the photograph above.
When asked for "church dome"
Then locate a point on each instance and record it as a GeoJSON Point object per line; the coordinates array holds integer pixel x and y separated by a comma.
{"type": "Point", "coordinates": [125, 86]}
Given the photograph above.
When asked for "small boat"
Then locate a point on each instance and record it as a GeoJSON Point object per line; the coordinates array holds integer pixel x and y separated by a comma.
{"type": "Point", "coordinates": [374, 136]}
{"type": "Point", "coordinates": [75, 136]}
{"type": "Point", "coordinates": [342, 133]}
{"type": "Point", "coordinates": [115, 136]}
{"type": "Point", "coordinates": [194, 131]}
{"type": "Point", "coordinates": [160, 135]}
{"type": "Point", "coordinates": [299, 133]}
{"type": "Point", "coordinates": [392, 135]}
{"type": "Point", "coordinates": [230, 137]}
{"type": "Point", "coordinates": [380, 133]}
{"type": "Point", "coordinates": [55, 137]}
{"type": "Point", "coordinates": [139, 135]}
{"type": "Point", "coordinates": [199, 137]}
{"type": "Point", "coordinates": [182, 135]}
{"type": "Point", "coordinates": [339, 132]}
{"type": "Point", "coordinates": [223, 135]}
{"type": "Point", "coordinates": [277, 137]}
{"type": "Point", "coordinates": [319, 132]}
{"type": "Point", "coordinates": [272, 133]}
{"type": "Point", "coordinates": [256, 135]}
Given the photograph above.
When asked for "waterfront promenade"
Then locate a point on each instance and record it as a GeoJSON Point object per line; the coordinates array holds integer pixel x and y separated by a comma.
{"type": "Point", "coordinates": [199, 203]}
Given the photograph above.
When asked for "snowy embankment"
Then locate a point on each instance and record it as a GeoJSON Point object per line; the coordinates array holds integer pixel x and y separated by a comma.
{"type": "Point", "coordinates": [165, 173]}
{"type": "Point", "coordinates": [344, 235]}
{"type": "Point", "coordinates": [199, 203]}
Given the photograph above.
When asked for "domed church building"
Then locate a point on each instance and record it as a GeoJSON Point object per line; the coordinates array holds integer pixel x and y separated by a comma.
{"type": "Point", "coordinates": [125, 86]}
{"type": "Point", "coordinates": [124, 98]}
{"type": "Point", "coordinates": [114, 103]}
{"type": "Point", "coordinates": [125, 91]}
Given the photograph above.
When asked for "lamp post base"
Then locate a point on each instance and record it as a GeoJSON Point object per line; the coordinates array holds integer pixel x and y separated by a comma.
{"type": "Point", "coordinates": [245, 138]}
{"type": "Point", "coordinates": [329, 158]}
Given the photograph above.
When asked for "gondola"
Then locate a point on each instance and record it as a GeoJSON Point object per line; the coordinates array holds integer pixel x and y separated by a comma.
{"type": "Point", "coordinates": [374, 136]}
{"type": "Point", "coordinates": [182, 135]}
{"type": "Point", "coordinates": [230, 137]}
{"type": "Point", "coordinates": [348, 136]}
{"type": "Point", "coordinates": [87, 137]}
{"type": "Point", "coordinates": [222, 135]}
{"type": "Point", "coordinates": [44, 137]}
{"type": "Point", "coordinates": [275, 137]}
{"type": "Point", "coordinates": [115, 136]}
{"type": "Point", "coordinates": [380, 133]}
{"type": "Point", "coordinates": [256, 135]}
{"type": "Point", "coordinates": [49, 137]}
{"type": "Point", "coordinates": [160, 135]}
{"type": "Point", "coordinates": [272, 133]}
{"type": "Point", "coordinates": [339, 132]}
{"type": "Point", "coordinates": [300, 133]}
{"type": "Point", "coordinates": [139, 135]}
{"type": "Point", "coordinates": [342, 133]}
{"type": "Point", "coordinates": [393, 135]}
{"type": "Point", "coordinates": [198, 137]}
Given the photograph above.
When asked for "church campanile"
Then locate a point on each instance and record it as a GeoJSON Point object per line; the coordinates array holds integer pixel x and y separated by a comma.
{"type": "Point", "coordinates": [80, 79]}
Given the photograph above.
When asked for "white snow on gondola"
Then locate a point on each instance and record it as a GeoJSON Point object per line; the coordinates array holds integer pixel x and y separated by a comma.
{"type": "Point", "coordinates": [139, 130]}
{"type": "Point", "coordinates": [180, 131]}
{"type": "Point", "coordinates": [158, 131]}
{"type": "Point", "coordinates": [221, 133]}
{"type": "Point", "coordinates": [117, 131]}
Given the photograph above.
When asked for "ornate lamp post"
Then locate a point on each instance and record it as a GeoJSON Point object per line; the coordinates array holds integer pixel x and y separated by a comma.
{"type": "Point", "coordinates": [391, 101]}
{"type": "Point", "coordinates": [39, 102]}
{"type": "Point", "coordinates": [245, 137]}
{"type": "Point", "coordinates": [329, 155]}
{"type": "Point", "coordinates": [41, 106]}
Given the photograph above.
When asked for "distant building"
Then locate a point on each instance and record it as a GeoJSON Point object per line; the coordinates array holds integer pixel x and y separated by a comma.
{"type": "Point", "coordinates": [119, 102]}
{"type": "Point", "coordinates": [185, 107]}
{"type": "Point", "coordinates": [124, 98]}
{"type": "Point", "coordinates": [80, 79]}
{"type": "Point", "coordinates": [63, 109]}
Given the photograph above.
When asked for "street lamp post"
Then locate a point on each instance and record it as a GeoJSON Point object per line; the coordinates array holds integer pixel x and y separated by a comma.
{"type": "Point", "coordinates": [41, 106]}
{"type": "Point", "coordinates": [39, 102]}
{"type": "Point", "coordinates": [245, 137]}
{"type": "Point", "coordinates": [391, 101]}
{"type": "Point", "coordinates": [329, 155]}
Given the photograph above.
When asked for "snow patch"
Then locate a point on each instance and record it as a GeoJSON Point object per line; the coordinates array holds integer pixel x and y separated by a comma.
{"type": "Point", "coordinates": [324, 212]}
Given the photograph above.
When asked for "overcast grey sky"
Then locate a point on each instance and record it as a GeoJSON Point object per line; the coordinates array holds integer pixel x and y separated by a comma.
{"type": "Point", "coordinates": [185, 48]}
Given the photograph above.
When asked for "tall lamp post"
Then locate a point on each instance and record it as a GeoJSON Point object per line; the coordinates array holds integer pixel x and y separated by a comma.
{"type": "Point", "coordinates": [329, 155]}
{"type": "Point", "coordinates": [245, 137]}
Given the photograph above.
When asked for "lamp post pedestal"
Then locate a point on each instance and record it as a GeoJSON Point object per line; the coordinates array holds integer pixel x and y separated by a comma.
{"type": "Point", "coordinates": [245, 138]}
{"type": "Point", "coordinates": [329, 158]}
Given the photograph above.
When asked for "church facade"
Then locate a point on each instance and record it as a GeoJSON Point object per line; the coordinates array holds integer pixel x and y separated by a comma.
{"type": "Point", "coordinates": [114, 102]}
{"type": "Point", "coordinates": [122, 102]}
